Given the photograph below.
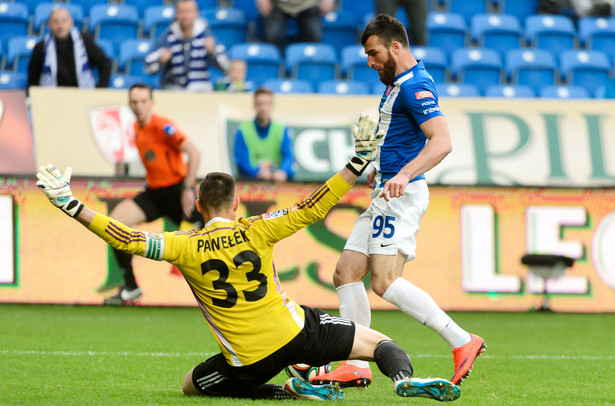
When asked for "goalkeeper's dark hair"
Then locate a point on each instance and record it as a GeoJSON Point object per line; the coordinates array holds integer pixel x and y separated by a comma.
{"type": "Point", "coordinates": [387, 29]}
{"type": "Point", "coordinates": [217, 190]}
{"type": "Point", "coordinates": [142, 86]}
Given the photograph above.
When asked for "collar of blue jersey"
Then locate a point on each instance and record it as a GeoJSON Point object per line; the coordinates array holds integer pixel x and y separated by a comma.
{"type": "Point", "coordinates": [419, 65]}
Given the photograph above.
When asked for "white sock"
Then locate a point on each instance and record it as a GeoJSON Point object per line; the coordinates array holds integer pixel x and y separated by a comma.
{"type": "Point", "coordinates": [417, 304]}
{"type": "Point", "coordinates": [354, 306]}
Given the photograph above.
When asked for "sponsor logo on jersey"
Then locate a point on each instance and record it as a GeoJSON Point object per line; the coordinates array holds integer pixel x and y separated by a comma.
{"type": "Point", "coordinates": [431, 110]}
{"type": "Point", "coordinates": [275, 214]}
{"type": "Point", "coordinates": [169, 130]}
{"type": "Point", "coordinates": [428, 102]}
{"type": "Point", "coordinates": [423, 94]}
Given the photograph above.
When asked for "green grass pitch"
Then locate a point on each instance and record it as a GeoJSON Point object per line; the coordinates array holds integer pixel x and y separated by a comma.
{"type": "Point", "coordinates": [63, 355]}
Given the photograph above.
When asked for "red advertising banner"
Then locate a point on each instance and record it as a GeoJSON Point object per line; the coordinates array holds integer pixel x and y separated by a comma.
{"type": "Point", "coordinates": [16, 154]}
{"type": "Point", "coordinates": [468, 256]}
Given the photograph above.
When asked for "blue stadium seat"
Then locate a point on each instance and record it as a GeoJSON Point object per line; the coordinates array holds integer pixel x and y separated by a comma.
{"type": "Point", "coordinates": [555, 33]}
{"type": "Point", "coordinates": [289, 86]}
{"type": "Point", "coordinates": [531, 67]}
{"type": "Point", "coordinates": [477, 66]}
{"type": "Point", "coordinates": [156, 19]}
{"type": "Point", "coordinates": [115, 22]}
{"type": "Point", "coordinates": [206, 4]}
{"type": "Point", "coordinates": [378, 88]}
{"type": "Point", "coordinates": [13, 80]}
{"type": "Point", "coordinates": [87, 5]}
{"type": "Point", "coordinates": [314, 62]}
{"type": "Point", "coordinates": [510, 91]}
{"type": "Point", "coordinates": [339, 28]}
{"type": "Point", "coordinates": [43, 10]}
{"type": "Point", "coordinates": [14, 20]}
{"type": "Point", "coordinates": [2, 56]}
{"type": "Point", "coordinates": [343, 87]}
{"type": "Point", "coordinates": [496, 31]}
{"type": "Point", "coordinates": [30, 4]}
{"type": "Point", "coordinates": [248, 7]}
{"type": "Point", "coordinates": [467, 8]}
{"type": "Point", "coordinates": [519, 8]}
{"type": "Point", "coordinates": [263, 60]}
{"type": "Point", "coordinates": [588, 69]}
{"type": "Point", "coordinates": [446, 30]}
{"type": "Point", "coordinates": [19, 51]}
{"type": "Point", "coordinates": [359, 8]}
{"type": "Point", "coordinates": [598, 33]}
{"type": "Point", "coordinates": [228, 25]}
{"type": "Point", "coordinates": [563, 92]}
{"type": "Point", "coordinates": [435, 61]}
{"type": "Point", "coordinates": [142, 5]}
{"type": "Point", "coordinates": [107, 47]}
{"type": "Point", "coordinates": [120, 81]}
{"type": "Point", "coordinates": [457, 90]}
{"type": "Point", "coordinates": [132, 56]}
{"type": "Point", "coordinates": [351, 56]}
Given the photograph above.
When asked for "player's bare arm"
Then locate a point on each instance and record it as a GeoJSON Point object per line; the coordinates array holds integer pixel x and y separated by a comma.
{"type": "Point", "coordinates": [438, 147]}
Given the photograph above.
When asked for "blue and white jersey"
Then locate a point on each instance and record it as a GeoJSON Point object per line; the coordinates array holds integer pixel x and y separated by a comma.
{"type": "Point", "coordinates": [405, 105]}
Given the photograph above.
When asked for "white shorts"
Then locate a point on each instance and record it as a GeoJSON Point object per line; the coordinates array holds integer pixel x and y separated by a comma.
{"type": "Point", "coordinates": [386, 228]}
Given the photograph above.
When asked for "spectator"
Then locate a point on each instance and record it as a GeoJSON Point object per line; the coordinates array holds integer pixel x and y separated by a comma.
{"type": "Point", "coordinates": [185, 50]}
{"type": "Point", "coordinates": [234, 80]}
{"type": "Point", "coordinates": [263, 147]}
{"type": "Point", "coordinates": [307, 13]}
{"type": "Point", "coordinates": [597, 8]}
{"type": "Point", "coordinates": [416, 10]}
{"type": "Point", "coordinates": [66, 57]}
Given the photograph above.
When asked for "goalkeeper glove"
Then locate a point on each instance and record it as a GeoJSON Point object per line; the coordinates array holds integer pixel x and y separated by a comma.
{"type": "Point", "coordinates": [366, 142]}
{"type": "Point", "coordinates": [57, 189]}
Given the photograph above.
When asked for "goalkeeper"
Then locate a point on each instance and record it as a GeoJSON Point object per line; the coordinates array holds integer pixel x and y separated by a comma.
{"type": "Point", "coordinates": [229, 267]}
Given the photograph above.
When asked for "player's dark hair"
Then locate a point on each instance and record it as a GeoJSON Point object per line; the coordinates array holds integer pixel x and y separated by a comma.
{"type": "Point", "coordinates": [142, 86]}
{"type": "Point", "coordinates": [387, 29]}
{"type": "Point", "coordinates": [262, 90]}
{"type": "Point", "coordinates": [217, 190]}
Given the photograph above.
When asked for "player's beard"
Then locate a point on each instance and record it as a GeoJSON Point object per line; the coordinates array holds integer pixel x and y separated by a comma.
{"type": "Point", "coordinates": [388, 70]}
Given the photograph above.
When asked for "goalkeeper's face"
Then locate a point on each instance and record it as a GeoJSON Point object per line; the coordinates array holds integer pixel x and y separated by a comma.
{"type": "Point", "coordinates": [141, 103]}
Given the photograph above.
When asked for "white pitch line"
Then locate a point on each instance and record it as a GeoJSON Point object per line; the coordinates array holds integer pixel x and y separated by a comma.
{"type": "Point", "coordinates": [537, 357]}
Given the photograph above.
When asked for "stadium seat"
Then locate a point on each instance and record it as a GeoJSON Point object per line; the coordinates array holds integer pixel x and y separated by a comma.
{"type": "Point", "coordinates": [563, 92]}
{"type": "Point", "coordinates": [378, 88]}
{"type": "Point", "coordinates": [156, 19]}
{"type": "Point", "coordinates": [142, 5]}
{"type": "Point", "coordinates": [119, 81]}
{"type": "Point", "coordinates": [457, 90]}
{"type": "Point", "coordinates": [314, 62]}
{"type": "Point", "coordinates": [14, 20]}
{"type": "Point", "coordinates": [115, 22]}
{"type": "Point", "coordinates": [343, 87]}
{"type": "Point", "coordinates": [519, 8]}
{"type": "Point", "coordinates": [446, 30]}
{"type": "Point", "coordinates": [467, 8]}
{"type": "Point", "coordinates": [228, 25]}
{"type": "Point", "coordinates": [510, 91]}
{"type": "Point", "coordinates": [107, 47]}
{"type": "Point", "coordinates": [263, 60]}
{"type": "Point", "coordinates": [531, 67]}
{"type": "Point", "coordinates": [435, 62]}
{"type": "Point", "coordinates": [354, 66]}
{"type": "Point", "coordinates": [289, 86]}
{"type": "Point", "coordinates": [13, 80]}
{"type": "Point", "coordinates": [43, 10]}
{"type": "Point", "coordinates": [132, 56]}
{"type": "Point", "coordinates": [587, 69]}
{"type": "Point", "coordinates": [359, 8]}
{"type": "Point", "coordinates": [339, 28]}
{"type": "Point", "coordinates": [19, 51]}
{"type": "Point", "coordinates": [555, 33]}
{"type": "Point", "coordinates": [206, 4]}
{"type": "Point", "coordinates": [598, 33]}
{"type": "Point", "coordinates": [477, 66]}
{"type": "Point", "coordinates": [248, 7]}
{"type": "Point", "coordinates": [500, 32]}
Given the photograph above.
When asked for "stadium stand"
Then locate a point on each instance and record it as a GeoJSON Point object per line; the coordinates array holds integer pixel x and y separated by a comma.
{"type": "Point", "coordinates": [289, 85]}
{"type": "Point", "coordinates": [10, 80]}
{"type": "Point", "coordinates": [263, 60]}
{"type": "Point", "coordinates": [587, 69]}
{"type": "Point", "coordinates": [480, 67]}
{"type": "Point", "coordinates": [115, 22]}
{"type": "Point", "coordinates": [43, 10]}
{"type": "Point", "coordinates": [313, 62]}
{"type": "Point", "coordinates": [554, 33]}
{"type": "Point", "coordinates": [132, 56]}
{"type": "Point", "coordinates": [467, 8]}
{"type": "Point", "coordinates": [519, 8]}
{"type": "Point", "coordinates": [435, 61]}
{"type": "Point", "coordinates": [339, 28]}
{"type": "Point", "coordinates": [510, 91]}
{"type": "Point", "coordinates": [563, 92]}
{"type": "Point", "coordinates": [343, 87]}
{"type": "Point", "coordinates": [228, 25]}
{"type": "Point", "coordinates": [500, 32]}
{"type": "Point", "coordinates": [156, 19]}
{"type": "Point", "coordinates": [457, 90]}
{"type": "Point", "coordinates": [531, 67]}
{"type": "Point", "coordinates": [14, 20]}
{"type": "Point", "coordinates": [446, 31]}
{"type": "Point", "coordinates": [20, 49]}
{"type": "Point", "coordinates": [598, 33]}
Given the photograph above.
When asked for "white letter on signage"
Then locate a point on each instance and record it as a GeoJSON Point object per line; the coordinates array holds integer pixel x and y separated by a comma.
{"type": "Point", "coordinates": [478, 273]}
{"type": "Point", "coordinates": [602, 249]}
{"type": "Point", "coordinates": [305, 144]}
{"type": "Point", "coordinates": [7, 245]}
{"type": "Point", "coordinates": [543, 225]}
{"type": "Point", "coordinates": [340, 149]}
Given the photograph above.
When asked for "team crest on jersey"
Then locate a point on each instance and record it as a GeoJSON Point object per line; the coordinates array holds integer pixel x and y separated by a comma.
{"type": "Point", "coordinates": [169, 130]}
{"type": "Point", "coordinates": [275, 214]}
{"type": "Point", "coordinates": [423, 94]}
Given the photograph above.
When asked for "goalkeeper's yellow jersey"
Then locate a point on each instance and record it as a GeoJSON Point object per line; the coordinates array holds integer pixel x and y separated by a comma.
{"type": "Point", "coordinates": [230, 270]}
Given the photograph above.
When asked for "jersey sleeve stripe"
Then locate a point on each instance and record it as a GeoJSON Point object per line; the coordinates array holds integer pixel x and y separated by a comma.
{"type": "Point", "coordinates": [315, 197]}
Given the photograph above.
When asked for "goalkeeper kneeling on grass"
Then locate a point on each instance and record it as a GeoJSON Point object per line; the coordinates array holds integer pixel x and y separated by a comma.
{"type": "Point", "coordinates": [228, 264]}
